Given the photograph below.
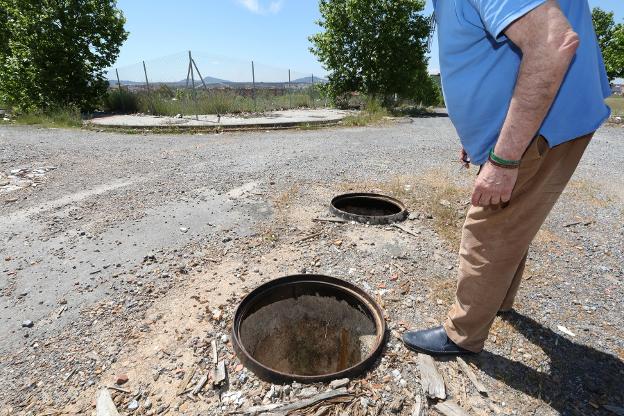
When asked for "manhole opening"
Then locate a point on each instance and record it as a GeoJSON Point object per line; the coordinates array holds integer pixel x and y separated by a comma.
{"type": "Point", "coordinates": [307, 330]}
{"type": "Point", "coordinates": [372, 208]}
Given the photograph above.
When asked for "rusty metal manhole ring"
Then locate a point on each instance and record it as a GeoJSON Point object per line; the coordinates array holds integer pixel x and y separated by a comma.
{"type": "Point", "coordinates": [368, 208]}
{"type": "Point", "coordinates": [308, 328]}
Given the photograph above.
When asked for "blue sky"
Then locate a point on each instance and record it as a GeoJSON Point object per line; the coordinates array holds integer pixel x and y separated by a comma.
{"type": "Point", "coordinates": [273, 32]}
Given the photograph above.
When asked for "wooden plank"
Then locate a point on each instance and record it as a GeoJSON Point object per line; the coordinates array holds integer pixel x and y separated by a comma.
{"type": "Point", "coordinates": [471, 376]}
{"type": "Point", "coordinates": [220, 374]}
{"type": "Point", "coordinates": [431, 380]}
{"type": "Point", "coordinates": [104, 405]}
{"type": "Point", "coordinates": [449, 408]}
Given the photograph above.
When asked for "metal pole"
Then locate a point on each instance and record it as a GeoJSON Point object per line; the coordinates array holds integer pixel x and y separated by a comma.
{"type": "Point", "coordinates": [289, 89]}
{"type": "Point", "coordinates": [148, 88]}
{"type": "Point", "coordinates": [199, 73]}
{"type": "Point", "coordinates": [121, 100]}
{"type": "Point", "coordinates": [312, 91]}
{"type": "Point", "coordinates": [146, 79]}
{"type": "Point", "coordinates": [188, 75]}
{"type": "Point", "coordinates": [253, 80]}
{"type": "Point", "coordinates": [193, 80]}
{"type": "Point", "coordinates": [118, 81]}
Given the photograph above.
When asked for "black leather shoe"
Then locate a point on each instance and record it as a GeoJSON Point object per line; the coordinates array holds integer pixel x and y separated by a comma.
{"type": "Point", "coordinates": [432, 341]}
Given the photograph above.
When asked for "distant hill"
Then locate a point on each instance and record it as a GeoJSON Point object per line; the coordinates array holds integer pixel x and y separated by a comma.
{"type": "Point", "coordinates": [207, 80]}
{"type": "Point", "coordinates": [308, 80]}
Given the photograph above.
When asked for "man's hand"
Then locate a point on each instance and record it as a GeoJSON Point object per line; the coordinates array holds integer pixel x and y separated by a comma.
{"type": "Point", "coordinates": [493, 186]}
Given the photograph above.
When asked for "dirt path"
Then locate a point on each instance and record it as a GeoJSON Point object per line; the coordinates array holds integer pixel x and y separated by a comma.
{"type": "Point", "coordinates": [122, 255]}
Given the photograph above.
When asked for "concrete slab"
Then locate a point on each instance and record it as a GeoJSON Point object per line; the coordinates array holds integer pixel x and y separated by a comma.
{"type": "Point", "coordinates": [274, 119]}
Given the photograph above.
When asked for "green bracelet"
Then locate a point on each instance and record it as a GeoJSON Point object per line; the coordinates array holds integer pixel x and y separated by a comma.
{"type": "Point", "coordinates": [502, 161]}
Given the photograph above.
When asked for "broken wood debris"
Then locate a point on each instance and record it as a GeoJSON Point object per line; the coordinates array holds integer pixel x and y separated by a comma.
{"type": "Point", "coordinates": [463, 365]}
{"type": "Point", "coordinates": [309, 237]}
{"type": "Point", "coordinates": [330, 219]}
{"type": "Point", "coordinates": [432, 382]}
{"type": "Point", "coordinates": [185, 381]}
{"type": "Point", "coordinates": [419, 409]}
{"type": "Point", "coordinates": [219, 375]}
{"type": "Point", "coordinates": [215, 353]}
{"type": "Point", "coordinates": [284, 409]}
{"type": "Point", "coordinates": [200, 385]}
{"type": "Point", "coordinates": [119, 389]}
{"type": "Point", "coordinates": [449, 408]}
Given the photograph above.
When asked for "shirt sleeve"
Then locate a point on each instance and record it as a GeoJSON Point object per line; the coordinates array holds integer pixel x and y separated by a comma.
{"type": "Point", "coordinates": [498, 14]}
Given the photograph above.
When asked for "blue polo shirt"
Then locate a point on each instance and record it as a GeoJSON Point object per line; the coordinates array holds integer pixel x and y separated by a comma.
{"type": "Point", "coordinates": [479, 67]}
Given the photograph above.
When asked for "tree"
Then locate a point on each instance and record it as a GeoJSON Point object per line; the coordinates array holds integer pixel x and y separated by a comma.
{"type": "Point", "coordinates": [611, 40]}
{"type": "Point", "coordinates": [55, 51]}
{"type": "Point", "coordinates": [376, 47]}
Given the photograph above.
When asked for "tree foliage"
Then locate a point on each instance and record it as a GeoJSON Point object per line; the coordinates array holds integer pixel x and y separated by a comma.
{"type": "Point", "coordinates": [53, 52]}
{"type": "Point", "coordinates": [611, 40]}
{"type": "Point", "coordinates": [376, 47]}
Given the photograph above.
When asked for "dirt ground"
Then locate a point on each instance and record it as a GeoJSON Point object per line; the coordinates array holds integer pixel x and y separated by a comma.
{"type": "Point", "coordinates": [129, 253]}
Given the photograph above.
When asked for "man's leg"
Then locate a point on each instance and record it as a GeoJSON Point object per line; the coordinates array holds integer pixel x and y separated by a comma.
{"type": "Point", "coordinates": [515, 285]}
{"type": "Point", "coordinates": [495, 240]}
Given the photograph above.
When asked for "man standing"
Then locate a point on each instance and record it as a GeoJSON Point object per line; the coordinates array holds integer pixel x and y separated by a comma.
{"type": "Point", "coordinates": [524, 83]}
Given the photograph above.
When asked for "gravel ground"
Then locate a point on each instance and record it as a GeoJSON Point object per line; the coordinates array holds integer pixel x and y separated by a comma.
{"type": "Point", "coordinates": [127, 254]}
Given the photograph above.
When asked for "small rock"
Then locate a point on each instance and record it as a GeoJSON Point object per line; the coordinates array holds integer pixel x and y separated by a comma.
{"type": "Point", "coordinates": [133, 405]}
{"type": "Point", "coordinates": [28, 324]}
{"type": "Point", "coordinates": [225, 339]}
{"type": "Point", "coordinates": [147, 404]}
{"type": "Point", "coordinates": [121, 379]}
{"type": "Point", "coordinates": [184, 229]}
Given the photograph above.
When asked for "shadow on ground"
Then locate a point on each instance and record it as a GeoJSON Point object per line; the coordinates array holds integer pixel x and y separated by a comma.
{"type": "Point", "coordinates": [580, 378]}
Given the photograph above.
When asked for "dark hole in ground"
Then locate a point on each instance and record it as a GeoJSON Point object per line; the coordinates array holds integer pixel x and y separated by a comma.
{"type": "Point", "coordinates": [367, 206]}
{"type": "Point", "coordinates": [371, 208]}
{"type": "Point", "coordinates": [308, 331]}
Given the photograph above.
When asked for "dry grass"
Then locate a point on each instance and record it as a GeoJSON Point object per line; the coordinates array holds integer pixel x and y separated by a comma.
{"type": "Point", "coordinates": [435, 195]}
{"type": "Point", "coordinates": [617, 105]}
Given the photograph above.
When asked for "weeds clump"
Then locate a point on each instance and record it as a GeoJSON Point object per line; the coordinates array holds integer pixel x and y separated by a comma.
{"type": "Point", "coordinates": [165, 101]}
{"type": "Point", "coordinates": [65, 117]}
{"type": "Point", "coordinates": [617, 105]}
{"type": "Point", "coordinates": [373, 113]}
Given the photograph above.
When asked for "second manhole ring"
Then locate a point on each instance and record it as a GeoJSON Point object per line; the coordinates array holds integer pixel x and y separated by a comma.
{"type": "Point", "coordinates": [368, 208]}
{"type": "Point", "coordinates": [308, 328]}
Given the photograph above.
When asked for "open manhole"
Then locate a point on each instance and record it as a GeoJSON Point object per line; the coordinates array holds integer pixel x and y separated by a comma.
{"type": "Point", "coordinates": [368, 208]}
{"type": "Point", "coordinates": [308, 328]}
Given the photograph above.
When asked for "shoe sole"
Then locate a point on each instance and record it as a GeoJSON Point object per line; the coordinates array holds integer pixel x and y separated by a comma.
{"type": "Point", "coordinates": [438, 353]}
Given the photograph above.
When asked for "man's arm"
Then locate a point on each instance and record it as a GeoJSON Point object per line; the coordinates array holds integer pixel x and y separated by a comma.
{"type": "Point", "coordinates": [548, 45]}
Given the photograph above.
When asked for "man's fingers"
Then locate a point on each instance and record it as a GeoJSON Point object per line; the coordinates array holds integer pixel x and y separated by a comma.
{"type": "Point", "coordinates": [476, 195]}
{"type": "Point", "coordinates": [496, 199]}
{"type": "Point", "coordinates": [505, 197]}
{"type": "Point", "coordinates": [485, 200]}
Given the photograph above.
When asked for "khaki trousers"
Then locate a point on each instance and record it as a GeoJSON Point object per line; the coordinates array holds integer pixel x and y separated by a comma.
{"type": "Point", "coordinates": [495, 241]}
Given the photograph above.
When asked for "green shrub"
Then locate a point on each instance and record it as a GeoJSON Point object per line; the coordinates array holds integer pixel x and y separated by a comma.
{"type": "Point", "coordinates": [121, 101]}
